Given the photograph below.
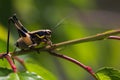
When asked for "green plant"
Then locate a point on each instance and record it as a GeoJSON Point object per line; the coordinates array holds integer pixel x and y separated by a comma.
{"type": "Point", "coordinates": [103, 74]}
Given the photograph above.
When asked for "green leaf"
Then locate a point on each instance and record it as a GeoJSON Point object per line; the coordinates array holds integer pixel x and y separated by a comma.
{"type": "Point", "coordinates": [108, 74]}
{"type": "Point", "coordinates": [6, 74]}
{"type": "Point", "coordinates": [40, 71]}
{"type": "Point", "coordinates": [4, 71]}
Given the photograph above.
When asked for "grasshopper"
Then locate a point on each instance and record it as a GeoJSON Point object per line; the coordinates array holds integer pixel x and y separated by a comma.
{"type": "Point", "coordinates": [29, 39]}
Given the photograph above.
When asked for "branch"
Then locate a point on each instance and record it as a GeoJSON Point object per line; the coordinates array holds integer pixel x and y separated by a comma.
{"type": "Point", "coordinates": [86, 68]}
{"type": "Point", "coordinates": [100, 36]}
{"type": "Point", "coordinates": [10, 61]}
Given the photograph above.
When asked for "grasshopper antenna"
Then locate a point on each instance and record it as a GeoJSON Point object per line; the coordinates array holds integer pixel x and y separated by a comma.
{"type": "Point", "coordinates": [59, 23]}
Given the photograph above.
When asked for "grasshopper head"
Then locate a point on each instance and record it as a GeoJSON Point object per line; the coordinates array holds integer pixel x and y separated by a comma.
{"type": "Point", "coordinates": [42, 33]}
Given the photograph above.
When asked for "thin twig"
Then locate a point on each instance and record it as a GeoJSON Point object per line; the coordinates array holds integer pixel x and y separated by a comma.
{"type": "Point", "coordinates": [21, 61]}
{"type": "Point", "coordinates": [87, 68]}
{"type": "Point", "coordinates": [11, 63]}
{"type": "Point", "coordinates": [114, 37]}
{"type": "Point", "coordinates": [100, 36]}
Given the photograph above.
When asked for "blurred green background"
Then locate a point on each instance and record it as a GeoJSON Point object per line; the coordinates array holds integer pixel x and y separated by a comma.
{"type": "Point", "coordinates": [82, 18]}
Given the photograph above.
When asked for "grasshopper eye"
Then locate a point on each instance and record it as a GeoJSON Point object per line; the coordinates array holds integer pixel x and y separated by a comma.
{"type": "Point", "coordinates": [48, 32]}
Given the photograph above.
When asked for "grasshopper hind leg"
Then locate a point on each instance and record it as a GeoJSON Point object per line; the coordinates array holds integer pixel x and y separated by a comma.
{"type": "Point", "coordinates": [8, 38]}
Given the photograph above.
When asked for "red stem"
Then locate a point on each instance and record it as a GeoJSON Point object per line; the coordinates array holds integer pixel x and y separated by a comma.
{"type": "Point", "coordinates": [11, 63]}
{"type": "Point", "coordinates": [87, 68]}
{"type": "Point", "coordinates": [21, 61]}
